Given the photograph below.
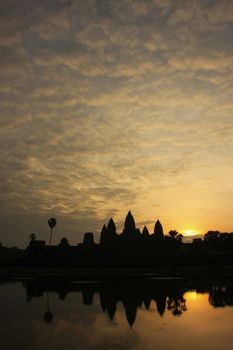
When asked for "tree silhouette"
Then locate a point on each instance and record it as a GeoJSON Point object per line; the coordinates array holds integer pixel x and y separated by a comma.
{"type": "Point", "coordinates": [64, 242]}
{"type": "Point", "coordinates": [175, 237]}
{"type": "Point", "coordinates": [211, 236]}
{"type": "Point", "coordinates": [48, 316]}
{"type": "Point", "coordinates": [179, 237]}
{"type": "Point", "coordinates": [32, 237]}
{"type": "Point", "coordinates": [173, 234]}
{"type": "Point", "coordinates": [52, 223]}
{"type": "Point", "coordinates": [88, 239]}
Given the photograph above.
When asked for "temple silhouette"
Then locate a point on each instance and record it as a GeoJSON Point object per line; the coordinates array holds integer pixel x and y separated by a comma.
{"type": "Point", "coordinates": [133, 294]}
{"type": "Point", "coordinates": [129, 248]}
{"type": "Point", "coordinates": [155, 295]}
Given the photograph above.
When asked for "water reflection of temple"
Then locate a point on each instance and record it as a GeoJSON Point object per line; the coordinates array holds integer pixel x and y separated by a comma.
{"type": "Point", "coordinates": [165, 295]}
{"type": "Point", "coordinates": [132, 294]}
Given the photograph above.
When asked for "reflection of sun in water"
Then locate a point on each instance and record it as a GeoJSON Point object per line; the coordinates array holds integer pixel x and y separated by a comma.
{"type": "Point", "coordinates": [191, 295]}
{"type": "Point", "coordinates": [196, 301]}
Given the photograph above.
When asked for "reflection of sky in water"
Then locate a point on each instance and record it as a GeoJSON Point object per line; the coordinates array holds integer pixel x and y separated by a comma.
{"type": "Point", "coordinates": [79, 326]}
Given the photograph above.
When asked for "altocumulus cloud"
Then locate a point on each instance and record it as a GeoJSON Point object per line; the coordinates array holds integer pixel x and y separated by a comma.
{"type": "Point", "coordinates": [114, 105]}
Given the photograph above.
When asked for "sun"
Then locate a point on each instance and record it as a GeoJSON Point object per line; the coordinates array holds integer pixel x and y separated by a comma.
{"type": "Point", "coordinates": [189, 233]}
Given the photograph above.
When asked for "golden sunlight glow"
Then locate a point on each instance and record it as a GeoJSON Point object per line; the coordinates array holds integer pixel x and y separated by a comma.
{"type": "Point", "coordinates": [189, 233]}
{"type": "Point", "coordinates": [191, 295]}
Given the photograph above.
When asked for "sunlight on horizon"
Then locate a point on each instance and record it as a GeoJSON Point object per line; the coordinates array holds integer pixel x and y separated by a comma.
{"type": "Point", "coordinates": [190, 233]}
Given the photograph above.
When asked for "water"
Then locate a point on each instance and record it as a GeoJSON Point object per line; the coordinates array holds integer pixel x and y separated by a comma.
{"type": "Point", "coordinates": [116, 314]}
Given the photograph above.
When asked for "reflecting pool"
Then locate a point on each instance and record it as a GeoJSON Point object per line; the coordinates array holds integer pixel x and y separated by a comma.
{"type": "Point", "coordinates": [116, 314]}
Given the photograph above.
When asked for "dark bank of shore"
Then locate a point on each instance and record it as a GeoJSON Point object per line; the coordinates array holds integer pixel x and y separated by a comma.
{"type": "Point", "coordinates": [184, 272]}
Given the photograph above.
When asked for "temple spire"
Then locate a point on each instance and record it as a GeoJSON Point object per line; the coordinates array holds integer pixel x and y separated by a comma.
{"type": "Point", "coordinates": [158, 230]}
{"type": "Point", "coordinates": [103, 234]}
{"type": "Point", "coordinates": [108, 233]}
{"type": "Point", "coordinates": [129, 227]}
{"type": "Point", "coordinates": [145, 232]}
{"type": "Point", "coordinates": [111, 228]}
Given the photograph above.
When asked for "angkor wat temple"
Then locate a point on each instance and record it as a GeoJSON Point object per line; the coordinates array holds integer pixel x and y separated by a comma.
{"type": "Point", "coordinates": [130, 232]}
{"type": "Point", "coordinates": [127, 248]}
{"type": "Point", "coordinates": [132, 248]}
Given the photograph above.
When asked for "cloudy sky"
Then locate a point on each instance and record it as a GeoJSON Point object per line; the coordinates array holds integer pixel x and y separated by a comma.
{"type": "Point", "coordinates": [111, 105]}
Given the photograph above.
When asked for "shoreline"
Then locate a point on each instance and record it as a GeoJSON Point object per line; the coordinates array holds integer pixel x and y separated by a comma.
{"type": "Point", "coordinates": [190, 272]}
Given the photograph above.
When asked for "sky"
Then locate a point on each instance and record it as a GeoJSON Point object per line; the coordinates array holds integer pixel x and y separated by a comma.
{"type": "Point", "coordinates": [109, 106]}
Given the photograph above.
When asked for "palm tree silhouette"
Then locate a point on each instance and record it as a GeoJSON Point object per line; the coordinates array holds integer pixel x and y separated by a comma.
{"type": "Point", "coordinates": [52, 223]}
{"type": "Point", "coordinates": [48, 316]}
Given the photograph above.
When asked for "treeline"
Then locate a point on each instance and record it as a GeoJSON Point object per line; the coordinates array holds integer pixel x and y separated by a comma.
{"type": "Point", "coordinates": [9, 256]}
